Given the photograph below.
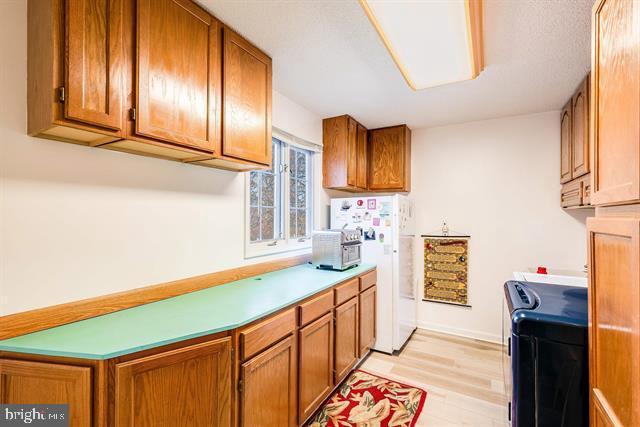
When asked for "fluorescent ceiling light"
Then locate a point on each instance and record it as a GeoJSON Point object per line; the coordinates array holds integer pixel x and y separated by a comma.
{"type": "Point", "coordinates": [433, 42]}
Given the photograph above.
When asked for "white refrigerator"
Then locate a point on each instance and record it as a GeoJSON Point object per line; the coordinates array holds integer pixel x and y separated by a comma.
{"type": "Point", "coordinates": [387, 224]}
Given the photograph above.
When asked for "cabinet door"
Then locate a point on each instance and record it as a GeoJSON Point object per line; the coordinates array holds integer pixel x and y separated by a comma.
{"type": "Point", "coordinates": [268, 389]}
{"type": "Point", "coordinates": [352, 152]}
{"type": "Point", "coordinates": [616, 101]}
{"type": "Point", "coordinates": [614, 319]}
{"type": "Point", "coordinates": [189, 386]}
{"type": "Point", "coordinates": [178, 73]}
{"type": "Point", "coordinates": [94, 59]}
{"type": "Point", "coordinates": [361, 157]}
{"type": "Point", "coordinates": [247, 100]}
{"type": "Point", "coordinates": [316, 364]}
{"type": "Point", "coordinates": [347, 351]}
{"type": "Point", "coordinates": [34, 382]}
{"type": "Point", "coordinates": [580, 131]}
{"type": "Point", "coordinates": [389, 159]}
{"type": "Point", "coordinates": [367, 320]}
{"type": "Point", "coordinates": [565, 144]}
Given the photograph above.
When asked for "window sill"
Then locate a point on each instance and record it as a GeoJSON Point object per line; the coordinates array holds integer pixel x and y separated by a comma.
{"type": "Point", "coordinates": [263, 250]}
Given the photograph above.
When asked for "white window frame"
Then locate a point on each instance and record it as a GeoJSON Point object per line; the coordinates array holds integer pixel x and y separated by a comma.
{"type": "Point", "coordinates": [285, 243]}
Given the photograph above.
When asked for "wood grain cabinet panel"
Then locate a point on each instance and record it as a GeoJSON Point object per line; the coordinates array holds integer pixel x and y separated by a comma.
{"type": "Point", "coordinates": [35, 382]}
{"type": "Point", "coordinates": [268, 392]}
{"type": "Point", "coordinates": [315, 345]}
{"type": "Point", "coordinates": [316, 307]}
{"type": "Point", "coordinates": [565, 144]}
{"type": "Point", "coordinates": [94, 62]}
{"type": "Point", "coordinates": [614, 319]}
{"type": "Point", "coordinates": [361, 157]}
{"type": "Point", "coordinates": [616, 102]}
{"type": "Point", "coordinates": [347, 351]}
{"type": "Point", "coordinates": [256, 338]}
{"type": "Point", "coordinates": [247, 100]}
{"type": "Point", "coordinates": [389, 162]}
{"type": "Point", "coordinates": [571, 194]}
{"type": "Point", "coordinates": [580, 130]}
{"type": "Point", "coordinates": [367, 320]}
{"type": "Point", "coordinates": [344, 159]}
{"type": "Point", "coordinates": [178, 73]}
{"type": "Point", "coordinates": [189, 386]}
{"type": "Point", "coordinates": [75, 64]}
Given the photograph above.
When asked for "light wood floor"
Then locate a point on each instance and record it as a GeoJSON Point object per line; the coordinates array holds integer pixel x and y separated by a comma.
{"type": "Point", "coordinates": [463, 378]}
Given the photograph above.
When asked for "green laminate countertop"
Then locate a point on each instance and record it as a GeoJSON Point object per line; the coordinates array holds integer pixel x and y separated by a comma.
{"type": "Point", "coordinates": [216, 309]}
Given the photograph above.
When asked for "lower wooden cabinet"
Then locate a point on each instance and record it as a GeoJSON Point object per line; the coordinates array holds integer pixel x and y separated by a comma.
{"type": "Point", "coordinates": [190, 386]}
{"type": "Point", "coordinates": [347, 351]}
{"type": "Point", "coordinates": [268, 391]}
{"type": "Point", "coordinates": [367, 320]}
{"type": "Point", "coordinates": [614, 320]}
{"type": "Point", "coordinates": [35, 382]}
{"type": "Point", "coordinates": [316, 364]}
{"type": "Point", "coordinates": [282, 367]}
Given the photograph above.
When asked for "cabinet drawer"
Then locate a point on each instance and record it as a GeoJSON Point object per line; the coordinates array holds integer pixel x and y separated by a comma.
{"type": "Point", "coordinates": [368, 280]}
{"type": "Point", "coordinates": [347, 291]}
{"type": "Point", "coordinates": [258, 337]}
{"type": "Point", "coordinates": [571, 194]}
{"type": "Point", "coordinates": [586, 189]}
{"type": "Point", "coordinates": [311, 310]}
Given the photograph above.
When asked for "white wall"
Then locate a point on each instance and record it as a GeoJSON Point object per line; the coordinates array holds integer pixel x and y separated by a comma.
{"type": "Point", "coordinates": [497, 180]}
{"type": "Point", "coordinates": [77, 222]}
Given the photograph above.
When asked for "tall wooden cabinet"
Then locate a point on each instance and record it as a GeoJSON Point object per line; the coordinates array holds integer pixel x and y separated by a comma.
{"type": "Point", "coordinates": [162, 78]}
{"type": "Point", "coordinates": [614, 312]}
{"type": "Point", "coordinates": [614, 234]}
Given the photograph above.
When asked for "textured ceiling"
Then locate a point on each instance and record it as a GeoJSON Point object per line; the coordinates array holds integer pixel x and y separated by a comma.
{"type": "Point", "coordinates": [328, 58]}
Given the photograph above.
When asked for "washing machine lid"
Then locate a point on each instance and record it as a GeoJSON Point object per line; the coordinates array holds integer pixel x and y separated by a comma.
{"type": "Point", "coordinates": [550, 311]}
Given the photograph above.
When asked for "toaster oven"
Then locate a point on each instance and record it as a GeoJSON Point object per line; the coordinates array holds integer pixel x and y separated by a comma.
{"type": "Point", "coordinates": [336, 249]}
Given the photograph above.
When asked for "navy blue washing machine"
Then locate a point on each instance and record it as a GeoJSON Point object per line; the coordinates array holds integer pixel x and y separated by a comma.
{"type": "Point", "coordinates": [549, 355]}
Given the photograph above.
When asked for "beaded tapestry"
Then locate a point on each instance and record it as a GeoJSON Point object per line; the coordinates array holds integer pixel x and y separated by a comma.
{"type": "Point", "coordinates": [445, 269]}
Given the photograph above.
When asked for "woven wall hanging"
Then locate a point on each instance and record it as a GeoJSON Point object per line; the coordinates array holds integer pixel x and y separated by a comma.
{"type": "Point", "coordinates": [446, 261]}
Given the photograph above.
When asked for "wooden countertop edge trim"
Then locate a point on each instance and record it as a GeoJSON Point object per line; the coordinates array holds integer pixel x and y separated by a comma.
{"type": "Point", "coordinates": [26, 322]}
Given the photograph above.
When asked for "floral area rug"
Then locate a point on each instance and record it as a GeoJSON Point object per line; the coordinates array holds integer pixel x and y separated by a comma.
{"type": "Point", "coordinates": [367, 400]}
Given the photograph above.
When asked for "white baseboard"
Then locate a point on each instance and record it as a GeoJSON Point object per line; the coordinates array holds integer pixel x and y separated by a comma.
{"type": "Point", "coordinates": [467, 333]}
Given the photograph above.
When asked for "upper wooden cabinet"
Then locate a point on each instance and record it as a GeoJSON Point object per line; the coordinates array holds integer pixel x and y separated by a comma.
{"type": "Point", "coordinates": [146, 77]}
{"type": "Point", "coordinates": [177, 81]}
{"type": "Point", "coordinates": [344, 160]}
{"type": "Point", "coordinates": [615, 127]}
{"type": "Point", "coordinates": [575, 164]}
{"type": "Point", "coordinates": [580, 164]}
{"type": "Point", "coordinates": [390, 159]}
{"type": "Point", "coordinates": [25, 382]}
{"type": "Point", "coordinates": [565, 143]}
{"type": "Point", "coordinates": [356, 159]}
{"type": "Point", "coordinates": [196, 379]}
{"type": "Point", "coordinates": [247, 100]}
{"type": "Point", "coordinates": [75, 51]}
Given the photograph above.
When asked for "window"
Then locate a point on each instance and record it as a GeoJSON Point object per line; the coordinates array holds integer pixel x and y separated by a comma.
{"type": "Point", "coordinates": [280, 202]}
